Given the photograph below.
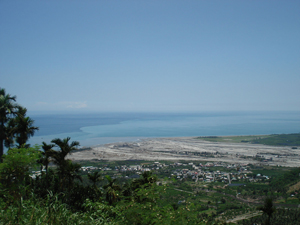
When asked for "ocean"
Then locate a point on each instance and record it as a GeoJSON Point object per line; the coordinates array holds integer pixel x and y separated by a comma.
{"type": "Point", "coordinates": [92, 129]}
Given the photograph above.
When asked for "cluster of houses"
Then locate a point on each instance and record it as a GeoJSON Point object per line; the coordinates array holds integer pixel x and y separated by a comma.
{"type": "Point", "coordinates": [203, 173]}
{"type": "Point", "coordinates": [208, 172]}
{"type": "Point", "coordinates": [197, 172]}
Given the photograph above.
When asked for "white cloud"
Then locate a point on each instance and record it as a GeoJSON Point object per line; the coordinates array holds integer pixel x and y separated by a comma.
{"type": "Point", "coordinates": [75, 105]}
{"type": "Point", "coordinates": [41, 103]}
{"type": "Point", "coordinates": [60, 105]}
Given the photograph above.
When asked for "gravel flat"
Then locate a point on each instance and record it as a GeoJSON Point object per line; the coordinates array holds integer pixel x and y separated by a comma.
{"type": "Point", "coordinates": [191, 149]}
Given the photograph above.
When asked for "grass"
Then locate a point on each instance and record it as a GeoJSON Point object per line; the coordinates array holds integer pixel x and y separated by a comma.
{"type": "Point", "coordinates": [280, 140]}
{"type": "Point", "coordinates": [270, 172]}
{"type": "Point", "coordinates": [273, 139]}
{"type": "Point", "coordinates": [233, 139]}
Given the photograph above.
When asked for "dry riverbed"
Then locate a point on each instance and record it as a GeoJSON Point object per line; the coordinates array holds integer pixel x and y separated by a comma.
{"type": "Point", "coordinates": [191, 149]}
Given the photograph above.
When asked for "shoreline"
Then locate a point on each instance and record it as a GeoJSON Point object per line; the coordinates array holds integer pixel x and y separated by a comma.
{"type": "Point", "coordinates": [191, 149]}
{"type": "Point", "coordinates": [139, 139]}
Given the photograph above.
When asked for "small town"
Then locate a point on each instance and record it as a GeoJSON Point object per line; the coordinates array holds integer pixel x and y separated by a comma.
{"type": "Point", "coordinates": [198, 172]}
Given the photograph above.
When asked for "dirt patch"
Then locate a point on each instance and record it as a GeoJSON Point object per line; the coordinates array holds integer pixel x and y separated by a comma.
{"type": "Point", "coordinates": [294, 187]}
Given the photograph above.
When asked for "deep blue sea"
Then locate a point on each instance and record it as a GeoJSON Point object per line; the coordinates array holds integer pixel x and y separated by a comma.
{"type": "Point", "coordinates": [92, 129]}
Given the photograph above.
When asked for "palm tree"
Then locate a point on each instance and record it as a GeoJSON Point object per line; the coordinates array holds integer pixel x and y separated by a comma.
{"type": "Point", "coordinates": [59, 156]}
{"type": "Point", "coordinates": [65, 149]}
{"type": "Point", "coordinates": [112, 189]}
{"type": "Point", "coordinates": [127, 190]}
{"type": "Point", "coordinates": [7, 110]}
{"type": "Point", "coordinates": [147, 179]}
{"type": "Point", "coordinates": [72, 172]}
{"type": "Point", "coordinates": [46, 154]}
{"type": "Point", "coordinates": [95, 192]}
{"type": "Point", "coordinates": [22, 127]}
{"type": "Point", "coordinates": [94, 178]}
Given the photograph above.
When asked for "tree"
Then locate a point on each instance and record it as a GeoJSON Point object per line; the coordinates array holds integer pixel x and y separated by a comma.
{"type": "Point", "coordinates": [72, 172]}
{"type": "Point", "coordinates": [46, 154]}
{"type": "Point", "coordinates": [65, 149]}
{"type": "Point", "coordinates": [95, 177]}
{"type": "Point", "coordinates": [146, 179]}
{"type": "Point", "coordinates": [127, 190]}
{"type": "Point", "coordinates": [22, 127]}
{"type": "Point", "coordinates": [59, 158]}
{"type": "Point", "coordinates": [15, 169]}
{"type": "Point", "coordinates": [15, 126]}
{"type": "Point", "coordinates": [94, 191]}
{"type": "Point", "coordinates": [8, 109]}
{"type": "Point", "coordinates": [112, 189]}
{"type": "Point", "coordinates": [268, 209]}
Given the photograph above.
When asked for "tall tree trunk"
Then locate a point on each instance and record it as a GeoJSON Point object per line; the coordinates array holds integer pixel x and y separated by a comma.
{"type": "Point", "coordinates": [1, 148]}
{"type": "Point", "coordinates": [2, 136]}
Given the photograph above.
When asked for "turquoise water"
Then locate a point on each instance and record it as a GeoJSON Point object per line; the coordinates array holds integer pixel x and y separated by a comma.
{"type": "Point", "coordinates": [95, 129]}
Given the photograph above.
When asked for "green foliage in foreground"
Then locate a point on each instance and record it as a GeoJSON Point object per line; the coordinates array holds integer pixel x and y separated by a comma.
{"type": "Point", "coordinates": [14, 171]}
{"type": "Point", "coordinates": [58, 195]}
{"type": "Point", "coordinates": [53, 211]}
{"type": "Point", "coordinates": [48, 199]}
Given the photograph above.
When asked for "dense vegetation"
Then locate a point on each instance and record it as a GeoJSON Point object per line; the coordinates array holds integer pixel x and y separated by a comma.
{"type": "Point", "coordinates": [62, 193]}
{"type": "Point", "coordinates": [274, 139]}
{"type": "Point", "coordinates": [280, 217]}
{"type": "Point", "coordinates": [280, 139]}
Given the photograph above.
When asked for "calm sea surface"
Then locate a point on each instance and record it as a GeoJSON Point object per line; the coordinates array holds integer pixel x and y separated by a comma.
{"type": "Point", "coordinates": [101, 128]}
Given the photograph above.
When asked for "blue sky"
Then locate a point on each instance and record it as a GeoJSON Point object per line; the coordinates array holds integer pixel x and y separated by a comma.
{"type": "Point", "coordinates": [153, 55]}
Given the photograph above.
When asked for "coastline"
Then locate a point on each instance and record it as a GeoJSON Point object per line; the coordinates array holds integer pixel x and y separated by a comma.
{"type": "Point", "coordinates": [191, 149]}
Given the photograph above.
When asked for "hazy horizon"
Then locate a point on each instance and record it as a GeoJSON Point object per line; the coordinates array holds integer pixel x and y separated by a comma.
{"type": "Point", "coordinates": [62, 112]}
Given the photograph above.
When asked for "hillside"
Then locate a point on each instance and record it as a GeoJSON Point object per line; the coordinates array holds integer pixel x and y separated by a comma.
{"type": "Point", "coordinates": [273, 139]}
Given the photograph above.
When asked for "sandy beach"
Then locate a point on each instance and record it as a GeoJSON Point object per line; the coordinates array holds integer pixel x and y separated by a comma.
{"type": "Point", "coordinates": [191, 149]}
